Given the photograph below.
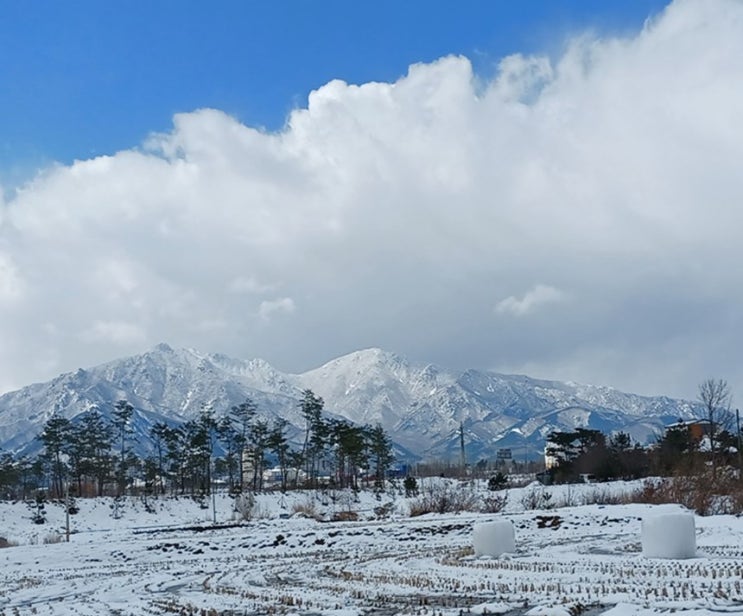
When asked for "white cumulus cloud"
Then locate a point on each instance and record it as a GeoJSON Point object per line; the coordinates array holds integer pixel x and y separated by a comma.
{"type": "Point", "coordinates": [398, 214]}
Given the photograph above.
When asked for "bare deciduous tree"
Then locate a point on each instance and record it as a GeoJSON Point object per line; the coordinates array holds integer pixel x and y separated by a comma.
{"type": "Point", "coordinates": [715, 396]}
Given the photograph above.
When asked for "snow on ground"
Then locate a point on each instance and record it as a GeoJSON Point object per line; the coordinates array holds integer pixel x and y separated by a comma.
{"type": "Point", "coordinates": [171, 559]}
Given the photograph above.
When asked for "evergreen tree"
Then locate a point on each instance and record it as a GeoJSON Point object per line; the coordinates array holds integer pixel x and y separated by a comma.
{"type": "Point", "coordinates": [55, 437]}
{"type": "Point", "coordinates": [151, 467]}
{"type": "Point", "coordinates": [75, 452]}
{"type": "Point", "coordinates": [382, 457]}
{"type": "Point", "coordinates": [242, 417]}
{"type": "Point", "coordinates": [122, 416]}
{"type": "Point", "coordinates": [311, 407]}
{"type": "Point", "coordinates": [158, 435]}
{"type": "Point", "coordinates": [350, 447]}
{"type": "Point", "coordinates": [278, 444]}
{"type": "Point", "coordinates": [199, 446]}
{"type": "Point", "coordinates": [176, 449]}
{"type": "Point", "coordinates": [95, 439]}
{"type": "Point", "coordinates": [676, 451]}
{"type": "Point", "coordinates": [233, 445]}
{"type": "Point", "coordinates": [576, 452]}
{"type": "Point", "coordinates": [9, 475]}
{"type": "Point", "coordinates": [629, 461]}
{"type": "Point", "coordinates": [258, 439]}
{"type": "Point", "coordinates": [294, 462]}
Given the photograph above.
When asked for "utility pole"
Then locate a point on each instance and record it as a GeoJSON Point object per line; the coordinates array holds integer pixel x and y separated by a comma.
{"type": "Point", "coordinates": [67, 508]}
{"type": "Point", "coordinates": [214, 498]}
{"type": "Point", "coordinates": [462, 460]}
{"type": "Point", "coordinates": [740, 452]}
{"type": "Point", "coordinates": [66, 461]}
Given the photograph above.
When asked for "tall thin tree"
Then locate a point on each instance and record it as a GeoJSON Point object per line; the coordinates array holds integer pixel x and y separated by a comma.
{"type": "Point", "coordinates": [55, 436]}
{"type": "Point", "coordinates": [122, 416]}
{"type": "Point", "coordinates": [715, 396]}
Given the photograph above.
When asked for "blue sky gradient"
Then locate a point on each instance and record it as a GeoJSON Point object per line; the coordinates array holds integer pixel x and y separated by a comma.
{"type": "Point", "coordinates": [85, 78]}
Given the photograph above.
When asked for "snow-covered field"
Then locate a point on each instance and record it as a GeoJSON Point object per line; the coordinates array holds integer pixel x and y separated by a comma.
{"type": "Point", "coordinates": [172, 560]}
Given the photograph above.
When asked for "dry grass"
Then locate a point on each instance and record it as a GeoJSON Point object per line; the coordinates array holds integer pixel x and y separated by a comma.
{"type": "Point", "coordinates": [703, 493]}
{"type": "Point", "coordinates": [345, 516]}
{"type": "Point", "coordinates": [493, 503]}
{"type": "Point", "coordinates": [536, 498]}
{"type": "Point", "coordinates": [52, 538]}
{"type": "Point", "coordinates": [444, 498]}
{"type": "Point", "coordinates": [306, 508]}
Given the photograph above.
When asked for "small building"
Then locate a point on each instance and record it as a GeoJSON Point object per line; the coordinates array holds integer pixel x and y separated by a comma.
{"type": "Point", "coordinates": [696, 428]}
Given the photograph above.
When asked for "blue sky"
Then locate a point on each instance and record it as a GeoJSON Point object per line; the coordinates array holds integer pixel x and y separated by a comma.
{"type": "Point", "coordinates": [84, 78]}
{"type": "Point", "coordinates": [552, 189]}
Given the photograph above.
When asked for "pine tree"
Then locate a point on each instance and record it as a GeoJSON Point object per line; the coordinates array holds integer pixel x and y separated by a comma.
{"type": "Point", "coordinates": [122, 416]}
{"type": "Point", "coordinates": [258, 439]}
{"type": "Point", "coordinates": [278, 444]}
{"type": "Point", "coordinates": [158, 435]}
{"type": "Point", "coordinates": [95, 439]}
{"type": "Point", "coordinates": [316, 432]}
{"type": "Point", "coordinates": [176, 449]}
{"type": "Point", "coordinates": [233, 444]}
{"type": "Point", "coordinates": [55, 437]}
{"type": "Point", "coordinates": [9, 475]}
{"type": "Point", "coordinates": [198, 439]}
{"type": "Point", "coordinates": [382, 456]}
{"type": "Point", "coordinates": [242, 416]}
{"type": "Point", "coordinates": [350, 446]}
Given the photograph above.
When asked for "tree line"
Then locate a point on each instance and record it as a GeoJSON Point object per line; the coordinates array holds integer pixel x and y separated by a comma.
{"type": "Point", "coordinates": [94, 456]}
{"type": "Point", "coordinates": [710, 444]}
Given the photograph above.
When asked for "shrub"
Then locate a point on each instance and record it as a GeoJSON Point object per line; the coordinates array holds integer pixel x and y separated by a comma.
{"type": "Point", "coordinates": [384, 511]}
{"type": "Point", "coordinates": [536, 498]}
{"type": "Point", "coordinates": [443, 498]}
{"type": "Point", "coordinates": [497, 482]}
{"type": "Point", "coordinates": [38, 511]}
{"type": "Point", "coordinates": [345, 516]}
{"type": "Point", "coordinates": [705, 493]}
{"type": "Point", "coordinates": [411, 486]}
{"type": "Point", "coordinates": [494, 503]}
{"type": "Point", "coordinates": [52, 538]}
{"type": "Point", "coordinates": [70, 504]}
{"type": "Point", "coordinates": [245, 506]}
{"type": "Point", "coordinates": [306, 508]}
{"type": "Point", "coordinates": [604, 496]}
{"type": "Point", "coordinates": [567, 498]}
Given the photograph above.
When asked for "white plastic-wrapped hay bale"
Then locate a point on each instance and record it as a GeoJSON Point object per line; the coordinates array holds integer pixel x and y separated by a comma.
{"type": "Point", "coordinates": [494, 538]}
{"type": "Point", "coordinates": [669, 535]}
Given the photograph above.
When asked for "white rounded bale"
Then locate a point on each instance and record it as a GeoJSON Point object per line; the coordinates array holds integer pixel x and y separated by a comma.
{"type": "Point", "coordinates": [669, 535]}
{"type": "Point", "coordinates": [494, 538]}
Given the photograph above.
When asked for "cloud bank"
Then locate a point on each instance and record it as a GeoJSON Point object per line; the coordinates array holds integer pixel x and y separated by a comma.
{"type": "Point", "coordinates": [400, 214]}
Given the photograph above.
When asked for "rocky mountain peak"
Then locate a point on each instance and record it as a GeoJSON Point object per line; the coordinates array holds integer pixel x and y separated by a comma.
{"type": "Point", "coordinates": [420, 405]}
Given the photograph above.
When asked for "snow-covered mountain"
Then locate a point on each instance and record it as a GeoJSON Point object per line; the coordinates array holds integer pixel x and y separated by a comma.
{"type": "Point", "coordinates": [420, 405]}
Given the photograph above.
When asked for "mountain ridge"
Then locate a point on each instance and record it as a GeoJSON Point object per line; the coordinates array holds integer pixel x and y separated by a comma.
{"type": "Point", "coordinates": [420, 405]}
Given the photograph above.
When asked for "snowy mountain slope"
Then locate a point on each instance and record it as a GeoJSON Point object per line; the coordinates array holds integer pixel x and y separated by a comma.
{"type": "Point", "coordinates": [162, 384]}
{"type": "Point", "coordinates": [423, 405]}
{"type": "Point", "coordinates": [420, 405]}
